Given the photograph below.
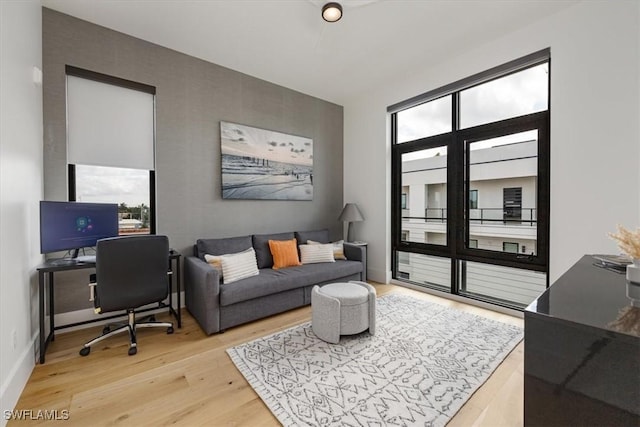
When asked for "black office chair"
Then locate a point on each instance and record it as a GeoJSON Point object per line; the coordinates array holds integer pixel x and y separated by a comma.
{"type": "Point", "coordinates": [130, 272]}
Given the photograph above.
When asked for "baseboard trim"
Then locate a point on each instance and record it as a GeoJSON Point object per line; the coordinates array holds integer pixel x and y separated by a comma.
{"type": "Point", "coordinates": [16, 381]}
{"type": "Point", "coordinates": [380, 276]}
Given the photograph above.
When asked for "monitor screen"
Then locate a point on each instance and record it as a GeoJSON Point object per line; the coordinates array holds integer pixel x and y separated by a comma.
{"type": "Point", "coordinates": [74, 225]}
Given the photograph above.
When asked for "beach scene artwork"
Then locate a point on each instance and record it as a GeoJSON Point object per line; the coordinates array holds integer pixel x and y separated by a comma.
{"type": "Point", "coordinates": [261, 164]}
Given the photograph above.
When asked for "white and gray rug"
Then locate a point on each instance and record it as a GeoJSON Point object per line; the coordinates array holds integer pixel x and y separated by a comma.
{"type": "Point", "coordinates": [422, 365]}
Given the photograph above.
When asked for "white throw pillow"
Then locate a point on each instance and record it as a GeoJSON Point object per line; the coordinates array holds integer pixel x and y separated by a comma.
{"type": "Point", "coordinates": [214, 261]}
{"type": "Point", "coordinates": [311, 254]}
{"type": "Point", "coordinates": [239, 266]}
{"type": "Point", "coordinates": [338, 248]}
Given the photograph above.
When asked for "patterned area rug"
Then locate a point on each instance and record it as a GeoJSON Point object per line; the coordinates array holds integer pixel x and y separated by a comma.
{"type": "Point", "coordinates": [422, 365]}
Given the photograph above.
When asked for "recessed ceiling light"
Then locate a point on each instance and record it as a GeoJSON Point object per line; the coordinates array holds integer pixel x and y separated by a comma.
{"type": "Point", "coordinates": [332, 12]}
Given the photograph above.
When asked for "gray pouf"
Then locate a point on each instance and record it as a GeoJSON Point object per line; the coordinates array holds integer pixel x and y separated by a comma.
{"type": "Point", "coordinates": [343, 309]}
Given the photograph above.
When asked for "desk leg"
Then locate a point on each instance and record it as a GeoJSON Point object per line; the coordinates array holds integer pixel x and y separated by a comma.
{"type": "Point", "coordinates": [178, 285]}
{"type": "Point", "coordinates": [170, 288]}
{"type": "Point", "coordinates": [41, 309]}
{"type": "Point", "coordinates": [52, 330]}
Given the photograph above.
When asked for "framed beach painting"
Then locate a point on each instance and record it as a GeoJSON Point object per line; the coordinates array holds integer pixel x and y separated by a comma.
{"type": "Point", "coordinates": [260, 164]}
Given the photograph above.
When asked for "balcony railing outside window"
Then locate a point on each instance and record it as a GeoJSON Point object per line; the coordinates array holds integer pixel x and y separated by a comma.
{"type": "Point", "coordinates": [435, 214]}
{"type": "Point", "coordinates": [514, 216]}
{"type": "Point", "coordinates": [523, 216]}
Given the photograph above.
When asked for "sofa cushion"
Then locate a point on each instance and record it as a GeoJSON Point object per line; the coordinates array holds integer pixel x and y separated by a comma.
{"type": "Point", "coordinates": [319, 273]}
{"type": "Point", "coordinates": [338, 248]}
{"type": "Point", "coordinates": [223, 246]}
{"type": "Point", "coordinates": [214, 261]}
{"type": "Point", "coordinates": [311, 254]}
{"type": "Point", "coordinates": [284, 253]}
{"type": "Point", "coordinates": [321, 236]}
{"type": "Point", "coordinates": [261, 245]}
{"type": "Point", "coordinates": [239, 266]}
{"type": "Point", "coordinates": [270, 281]}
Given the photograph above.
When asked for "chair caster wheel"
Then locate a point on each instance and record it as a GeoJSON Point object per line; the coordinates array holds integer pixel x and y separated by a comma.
{"type": "Point", "coordinates": [169, 330]}
{"type": "Point", "coordinates": [133, 350]}
{"type": "Point", "coordinates": [84, 351]}
{"type": "Point", "coordinates": [105, 330]}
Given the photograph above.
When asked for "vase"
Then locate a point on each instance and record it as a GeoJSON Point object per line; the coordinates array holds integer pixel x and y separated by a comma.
{"type": "Point", "coordinates": [633, 271]}
{"type": "Point", "coordinates": [633, 282]}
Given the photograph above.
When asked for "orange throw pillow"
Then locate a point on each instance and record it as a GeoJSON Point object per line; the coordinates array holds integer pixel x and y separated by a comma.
{"type": "Point", "coordinates": [284, 252]}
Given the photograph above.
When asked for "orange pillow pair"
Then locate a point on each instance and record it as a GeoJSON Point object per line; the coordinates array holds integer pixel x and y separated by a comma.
{"type": "Point", "coordinates": [284, 252]}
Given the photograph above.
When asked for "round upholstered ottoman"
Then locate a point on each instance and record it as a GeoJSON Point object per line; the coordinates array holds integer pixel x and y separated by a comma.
{"type": "Point", "coordinates": [343, 309]}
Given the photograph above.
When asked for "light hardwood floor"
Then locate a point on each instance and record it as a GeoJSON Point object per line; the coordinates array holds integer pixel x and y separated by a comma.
{"type": "Point", "coordinates": [187, 378]}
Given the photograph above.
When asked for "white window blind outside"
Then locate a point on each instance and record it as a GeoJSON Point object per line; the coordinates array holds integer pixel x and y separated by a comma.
{"type": "Point", "coordinates": [109, 125]}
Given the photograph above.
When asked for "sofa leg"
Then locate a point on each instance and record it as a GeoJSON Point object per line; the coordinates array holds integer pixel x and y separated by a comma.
{"type": "Point", "coordinates": [221, 331]}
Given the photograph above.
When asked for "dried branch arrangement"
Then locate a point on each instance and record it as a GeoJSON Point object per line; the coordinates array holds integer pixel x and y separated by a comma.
{"type": "Point", "coordinates": [628, 321]}
{"type": "Point", "coordinates": [628, 241]}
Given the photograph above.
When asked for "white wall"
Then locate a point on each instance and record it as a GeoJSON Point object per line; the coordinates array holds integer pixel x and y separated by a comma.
{"type": "Point", "coordinates": [20, 192]}
{"type": "Point", "coordinates": [595, 138]}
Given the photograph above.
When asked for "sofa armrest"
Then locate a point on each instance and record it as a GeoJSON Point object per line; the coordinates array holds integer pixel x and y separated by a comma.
{"type": "Point", "coordinates": [202, 293]}
{"type": "Point", "coordinates": [357, 253]}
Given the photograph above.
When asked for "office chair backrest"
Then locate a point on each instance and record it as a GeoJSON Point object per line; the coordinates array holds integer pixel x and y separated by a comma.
{"type": "Point", "coordinates": [131, 271]}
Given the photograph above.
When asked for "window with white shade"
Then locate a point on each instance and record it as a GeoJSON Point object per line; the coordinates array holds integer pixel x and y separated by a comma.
{"type": "Point", "coordinates": [110, 145]}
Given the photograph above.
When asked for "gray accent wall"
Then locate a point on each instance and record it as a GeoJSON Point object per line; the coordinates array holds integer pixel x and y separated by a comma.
{"type": "Point", "coordinates": [192, 97]}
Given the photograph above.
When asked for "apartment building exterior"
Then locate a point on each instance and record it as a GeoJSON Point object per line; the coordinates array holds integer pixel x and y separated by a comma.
{"type": "Point", "coordinates": [502, 216]}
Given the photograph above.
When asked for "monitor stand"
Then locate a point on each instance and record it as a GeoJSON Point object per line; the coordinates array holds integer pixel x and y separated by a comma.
{"type": "Point", "coordinates": [63, 261]}
{"type": "Point", "coordinates": [67, 261]}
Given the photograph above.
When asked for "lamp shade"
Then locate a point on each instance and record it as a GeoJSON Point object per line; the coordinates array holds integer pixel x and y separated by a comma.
{"type": "Point", "coordinates": [350, 213]}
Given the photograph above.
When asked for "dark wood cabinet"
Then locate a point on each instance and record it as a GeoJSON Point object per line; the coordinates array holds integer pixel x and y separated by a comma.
{"type": "Point", "coordinates": [579, 368]}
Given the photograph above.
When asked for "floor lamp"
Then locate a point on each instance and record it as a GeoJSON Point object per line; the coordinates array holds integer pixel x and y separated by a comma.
{"type": "Point", "coordinates": [350, 213]}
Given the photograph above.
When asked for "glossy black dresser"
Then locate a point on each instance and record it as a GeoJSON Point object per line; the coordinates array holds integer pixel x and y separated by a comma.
{"type": "Point", "coordinates": [581, 362]}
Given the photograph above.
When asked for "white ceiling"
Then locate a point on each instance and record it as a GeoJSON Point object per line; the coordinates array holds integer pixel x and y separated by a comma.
{"type": "Point", "coordinates": [287, 42]}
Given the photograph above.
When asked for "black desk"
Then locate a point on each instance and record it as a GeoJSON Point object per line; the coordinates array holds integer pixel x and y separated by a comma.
{"type": "Point", "coordinates": [578, 368]}
{"type": "Point", "coordinates": [48, 269]}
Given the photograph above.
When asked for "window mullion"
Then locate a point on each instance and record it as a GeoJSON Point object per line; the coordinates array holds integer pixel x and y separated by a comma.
{"type": "Point", "coordinates": [71, 175]}
{"type": "Point", "coordinates": [453, 201]}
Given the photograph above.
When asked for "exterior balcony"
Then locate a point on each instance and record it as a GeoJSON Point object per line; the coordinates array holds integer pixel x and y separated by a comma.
{"type": "Point", "coordinates": [490, 227]}
{"type": "Point", "coordinates": [507, 223]}
{"type": "Point", "coordinates": [511, 285]}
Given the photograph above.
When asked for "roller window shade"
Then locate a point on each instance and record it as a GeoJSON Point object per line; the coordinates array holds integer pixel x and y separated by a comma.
{"type": "Point", "coordinates": [109, 125]}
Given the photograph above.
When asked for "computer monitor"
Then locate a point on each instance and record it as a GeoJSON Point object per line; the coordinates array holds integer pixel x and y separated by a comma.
{"type": "Point", "coordinates": [74, 225]}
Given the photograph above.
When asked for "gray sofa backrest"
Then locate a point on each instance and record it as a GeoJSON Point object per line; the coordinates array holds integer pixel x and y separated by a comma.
{"type": "Point", "coordinates": [320, 236]}
{"type": "Point", "coordinates": [260, 243]}
{"type": "Point", "coordinates": [228, 245]}
{"type": "Point", "coordinates": [261, 246]}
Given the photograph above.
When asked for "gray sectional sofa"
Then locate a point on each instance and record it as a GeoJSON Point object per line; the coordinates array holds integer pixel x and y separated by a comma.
{"type": "Point", "coordinates": [217, 306]}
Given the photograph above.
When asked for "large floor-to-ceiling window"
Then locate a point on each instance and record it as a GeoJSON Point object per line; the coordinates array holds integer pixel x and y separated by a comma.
{"type": "Point", "coordinates": [470, 177]}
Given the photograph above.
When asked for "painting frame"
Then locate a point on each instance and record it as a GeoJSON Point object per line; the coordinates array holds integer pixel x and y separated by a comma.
{"type": "Point", "coordinates": [262, 164]}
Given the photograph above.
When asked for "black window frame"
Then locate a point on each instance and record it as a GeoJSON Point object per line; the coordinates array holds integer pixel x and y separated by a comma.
{"type": "Point", "coordinates": [458, 187]}
{"type": "Point", "coordinates": [409, 147]}
{"type": "Point", "coordinates": [539, 261]}
{"type": "Point", "coordinates": [71, 172]}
